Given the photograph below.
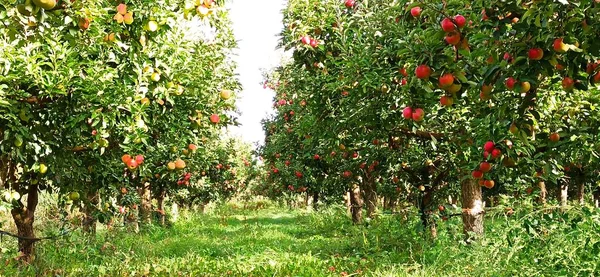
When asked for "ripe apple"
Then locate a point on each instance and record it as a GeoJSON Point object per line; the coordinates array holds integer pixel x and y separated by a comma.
{"type": "Point", "coordinates": [139, 159]}
{"type": "Point", "coordinates": [179, 164]}
{"type": "Point", "coordinates": [525, 87]}
{"type": "Point", "coordinates": [403, 71]}
{"type": "Point", "coordinates": [347, 174]}
{"type": "Point", "coordinates": [460, 21]}
{"type": "Point", "coordinates": [314, 43]}
{"type": "Point", "coordinates": [407, 113]}
{"type": "Point", "coordinates": [507, 57]}
{"type": "Point", "coordinates": [45, 4]}
{"type": "Point", "coordinates": [119, 18]}
{"type": "Point", "coordinates": [192, 147]}
{"type": "Point", "coordinates": [305, 40]}
{"type": "Point", "coordinates": [477, 174]}
{"type": "Point", "coordinates": [214, 118]}
{"type": "Point", "coordinates": [355, 155]}
{"type": "Point", "coordinates": [415, 12]}
{"type": "Point", "coordinates": [488, 184]}
{"type": "Point", "coordinates": [554, 137]}
{"type": "Point", "coordinates": [452, 38]}
{"type": "Point", "coordinates": [446, 101]}
{"type": "Point", "coordinates": [568, 83]}
{"type": "Point", "coordinates": [448, 25]}
{"type": "Point", "coordinates": [441, 208]}
{"type": "Point", "coordinates": [418, 115]}
{"type": "Point", "coordinates": [126, 158]}
{"type": "Point", "coordinates": [298, 174]}
{"type": "Point", "coordinates": [489, 146]}
{"type": "Point", "coordinates": [423, 71]}
{"type": "Point", "coordinates": [559, 46]}
{"type": "Point", "coordinates": [535, 54]}
{"type": "Point", "coordinates": [446, 80]}
{"type": "Point", "coordinates": [122, 9]}
{"type": "Point", "coordinates": [132, 164]}
{"type": "Point", "coordinates": [128, 18]}
{"type": "Point", "coordinates": [510, 83]}
{"type": "Point", "coordinates": [422, 188]}
{"type": "Point", "coordinates": [84, 23]}
{"type": "Point", "coordinates": [496, 153]}
{"type": "Point", "coordinates": [345, 93]}
{"type": "Point", "coordinates": [485, 167]}
{"type": "Point", "coordinates": [317, 157]}
{"type": "Point", "coordinates": [349, 3]}
{"type": "Point", "coordinates": [287, 163]}
{"type": "Point", "coordinates": [225, 94]}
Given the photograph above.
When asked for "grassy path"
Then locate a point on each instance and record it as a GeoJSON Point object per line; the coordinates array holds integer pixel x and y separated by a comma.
{"type": "Point", "coordinates": [291, 243]}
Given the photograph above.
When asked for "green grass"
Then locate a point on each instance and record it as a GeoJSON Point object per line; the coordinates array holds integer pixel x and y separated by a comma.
{"type": "Point", "coordinates": [279, 242]}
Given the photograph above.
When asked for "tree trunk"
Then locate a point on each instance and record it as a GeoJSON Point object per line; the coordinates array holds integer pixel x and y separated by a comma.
{"type": "Point", "coordinates": [356, 204]}
{"type": "Point", "coordinates": [433, 229]}
{"type": "Point", "coordinates": [543, 193]}
{"type": "Point", "coordinates": [24, 216]}
{"type": "Point", "coordinates": [315, 200]}
{"type": "Point", "coordinates": [89, 221]}
{"type": "Point", "coordinates": [348, 204]}
{"type": "Point", "coordinates": [472, 207]}
{"type": "Point", "coordinates": [563, 193]}
{"type": "Point", "coordinates": [146, 203]}
{"type": "Point", "coordinates": [306, 198]}
{"type": "Point", "coordinates": [161, 206]}
{"type": "Point", "coordinates": [370, 197]}
{"type": "Point", "coordinates": [580, 192]}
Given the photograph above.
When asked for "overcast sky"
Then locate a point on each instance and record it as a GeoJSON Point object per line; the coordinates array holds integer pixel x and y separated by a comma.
{"type": "Point", "coordinates": [256, 25]}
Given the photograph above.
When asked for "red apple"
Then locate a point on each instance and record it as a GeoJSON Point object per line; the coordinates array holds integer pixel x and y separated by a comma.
{"type": "Point", "coordinates": [415, 12]}
{"type": "Point", "coordinates": [510, 83]}
{"type": "Point", "coordinates": [554, 137]}
{"type": "Point", "coordinates": [460, 21]}
{"type": "Point", "coordinates": [568, 83]}
{"type": "Point", "coordinates": [305, 40]}
{"type": "Point", "coordinates": [477, 174]}
{"type": "Point", "coordinates": [407, 113]}
{"type": "Point", "coordinates": [559, 46]}
{"type": "Point", "coordinates": [453, 38]}
{"type": "Point", "coordinates": [139, 159]}
{"type": "Point", "coordinates": [418, 114]}
{"type": "Point", "coordinates": [446, 80]}
{"type": "Point", "coordinates": [347, 174]}
{"type": "Point", "coordinates": [349, 3]}
{"type": "Point", "coordinates": [132, 164]}
{"type": "Point", "coordinates": [485, 167]}
{"type": "Point", "coordinates": [446, 101]}
{"type": "Point", "coordinates": [314, 43]}
{"type": "Point", "coordinates": [448, 25]}
{"type": "Point", "coordinates": [496, 153]}
{"type": "Point", "coordinates": [317, 157]}
{"type": "Point", "coordinates": [214, 118]}
{"type": "Point", "coordinates": [126, 158]}
{"type": "Point", "coordinates": [423, 71]}
{"type": "Point", "coordinates": [403, 71]}
{"type": "Point", "coordinates": [488, 184]}
{"type": "Point", "coordinates": [535, 54]}
{"type": "Point", "coordinates": [489, 146]}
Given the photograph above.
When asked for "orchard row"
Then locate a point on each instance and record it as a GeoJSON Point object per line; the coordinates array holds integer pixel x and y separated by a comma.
{"type": "Point", "coordinates": [415, 101]}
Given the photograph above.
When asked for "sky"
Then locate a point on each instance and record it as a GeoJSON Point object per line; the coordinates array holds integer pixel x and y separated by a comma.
{"type": "Point", "coordinates": [256, 26]}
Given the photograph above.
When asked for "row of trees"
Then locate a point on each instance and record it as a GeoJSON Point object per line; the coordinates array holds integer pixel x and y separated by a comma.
{"type": "Point", "coordinates": [418, 100]}
{"type": "Point", "coordinates": [117, 102]}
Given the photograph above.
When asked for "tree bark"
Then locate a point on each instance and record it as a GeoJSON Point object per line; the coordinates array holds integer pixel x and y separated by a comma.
{"type": "Point", "coordinates": [24, 216]}
{"type": "Point", "coordinates": [356, 204]}
{"type": "Point", "coordinates": [315, 202]}
{"type": "Point", "coordinates": [472, 207]}
{"type": "Point", "coordinates": [370, 197]}
{"type": "Point", "coordinates": [543, 193]}
{"type": "Point", "coordinates": [89, 220]}
{"type": "Point", "coordinates": [161, 206]}
{"type": "Point", "coordinates": [580, 192]}
{"type": "Point", "coordinates": [146, 203]}
{"type": "Point", "coordinates": [348, 204]}
{"type": "Point", "coordinates": [563, 193]}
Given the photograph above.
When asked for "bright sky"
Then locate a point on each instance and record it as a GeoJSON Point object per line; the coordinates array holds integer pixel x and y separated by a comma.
{"type": "Point", "coordinates": [256, 25]}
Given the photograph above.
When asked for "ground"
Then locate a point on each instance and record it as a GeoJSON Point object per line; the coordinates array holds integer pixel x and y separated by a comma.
{"type": "Point", "coordinates": [283, 242]}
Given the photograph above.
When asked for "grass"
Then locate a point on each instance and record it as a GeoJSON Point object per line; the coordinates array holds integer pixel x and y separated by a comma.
{"type": "Point", "coordinates": [281, 242]}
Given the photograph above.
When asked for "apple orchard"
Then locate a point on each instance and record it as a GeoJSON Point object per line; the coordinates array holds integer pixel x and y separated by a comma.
{"type": "Point", "coordinates": [111, 105]}
{"type": "Point", "coordinates": [450, 108]}
{"type": "Point", "coordinates": [426, 103]}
